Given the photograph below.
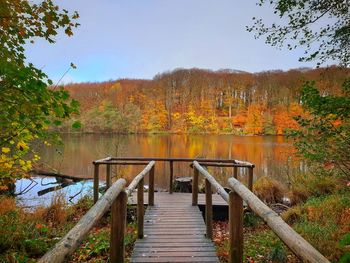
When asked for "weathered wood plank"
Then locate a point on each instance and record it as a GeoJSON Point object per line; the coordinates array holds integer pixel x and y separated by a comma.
{"type": "Point", "coordinates": [157, 253]}
{"type": "Point", "coordinates": [161, 198]}
{"type": "Point", "coordinates": [177, 259]}
{"type": "Point", "coordinates": [170, 245]}
{"type": "Point", "coordinates": [174, 231]}
{"type": "Point", "coordinates": [173, 249]}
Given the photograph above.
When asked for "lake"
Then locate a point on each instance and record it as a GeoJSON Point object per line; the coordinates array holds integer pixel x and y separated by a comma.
{"type": "Point", "coordinates": [272, 156]}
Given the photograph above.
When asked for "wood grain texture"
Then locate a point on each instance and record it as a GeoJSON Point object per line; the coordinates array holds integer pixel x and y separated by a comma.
{"type": "Point", "coordinates": [163, 197]}
{"type": "Point", "coordinates": [174, 231]}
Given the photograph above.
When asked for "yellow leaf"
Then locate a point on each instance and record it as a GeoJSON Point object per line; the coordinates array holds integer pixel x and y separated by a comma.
{"type": "Point", "coordinates": [22, 146]}
{"type": "Point", "coordinates": [5, 149]}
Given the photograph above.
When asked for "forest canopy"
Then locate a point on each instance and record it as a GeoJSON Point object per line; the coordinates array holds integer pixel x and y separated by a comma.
{"type": "Point", "coordinates": [201, 101]}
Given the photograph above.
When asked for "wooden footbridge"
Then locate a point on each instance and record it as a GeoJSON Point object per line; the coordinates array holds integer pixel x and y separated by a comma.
{"type": "Point", "coordinates": [172, 228]}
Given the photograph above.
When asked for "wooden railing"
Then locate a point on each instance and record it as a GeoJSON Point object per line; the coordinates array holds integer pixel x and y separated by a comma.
{"type": "Point", "coordinates": [239, 193]}
{"type": "Point", "coordinates": [141, 161]}
{"type": "Point", "coordinates": [116, 198]}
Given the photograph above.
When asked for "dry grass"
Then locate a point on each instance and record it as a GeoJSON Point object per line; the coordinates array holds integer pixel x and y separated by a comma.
{"type": "Point", "coordinates": [7, 204]}
{"type": "Point", "coordinates": [269, 190]}
{"type": "Point", "coordinates": [56, 213]}
{"type": "Point", "coordinates": [27, 235]}
{"type": "Point", "coordinates": [304, 186]}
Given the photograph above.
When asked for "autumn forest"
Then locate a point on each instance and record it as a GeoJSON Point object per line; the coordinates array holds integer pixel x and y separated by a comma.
{"type": "Point", "coordinates": [200, 101]}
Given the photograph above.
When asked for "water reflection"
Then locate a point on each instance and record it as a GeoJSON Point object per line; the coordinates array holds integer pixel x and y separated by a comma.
{"type": "Point", "coordinates": [40, 191]}
{"type": "Point", "coordinates": [272, 155]}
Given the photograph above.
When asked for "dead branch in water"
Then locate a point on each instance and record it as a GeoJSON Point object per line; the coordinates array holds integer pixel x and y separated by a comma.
{"type": "Point", "coordinates": [54, 174]}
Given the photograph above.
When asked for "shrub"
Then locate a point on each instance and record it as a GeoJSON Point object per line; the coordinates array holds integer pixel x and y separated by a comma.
{"type": "Point", "coordinates": [269, 190]}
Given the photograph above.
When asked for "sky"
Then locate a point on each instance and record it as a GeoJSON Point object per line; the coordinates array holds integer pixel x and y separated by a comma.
{"type": "Point", "coordinates": [140, 38]}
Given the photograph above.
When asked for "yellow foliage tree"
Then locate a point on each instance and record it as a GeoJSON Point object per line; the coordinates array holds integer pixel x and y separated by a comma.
{"type": "Point", "coordinates": [154, 117]}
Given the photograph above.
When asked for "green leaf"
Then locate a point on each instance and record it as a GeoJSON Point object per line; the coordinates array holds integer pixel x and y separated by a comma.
{"type": "Point", "coordinates": [76, 125]}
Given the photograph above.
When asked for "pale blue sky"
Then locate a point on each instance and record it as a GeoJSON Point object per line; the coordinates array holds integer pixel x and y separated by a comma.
{"type": "Point", "coordinates": [140, 38]}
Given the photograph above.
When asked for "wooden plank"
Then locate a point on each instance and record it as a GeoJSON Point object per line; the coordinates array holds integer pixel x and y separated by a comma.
{"type": "Point", "coordinates": [156, 253]}
{"type": "Point", "coordinates": [174, 233]}
{"type": "Point", "coordinates": [177, 259]}
{"type": "Point", "coordinates": [180, 245]}
{"type": "Point", "coordinates": [180, 249]}
{"type": "Point", "coordinates": [170, 239]}
{"type": "Point", "coordinates": [162, 198]}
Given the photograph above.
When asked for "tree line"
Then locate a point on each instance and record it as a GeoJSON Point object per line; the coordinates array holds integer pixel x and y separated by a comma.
{"type": "Point", "coordinates": [201, 101]}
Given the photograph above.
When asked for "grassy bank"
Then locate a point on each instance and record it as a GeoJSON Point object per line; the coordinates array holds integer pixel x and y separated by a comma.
{"type": "Point", "coordinates": [320, 214]}
{"type": "Point", "coordinates": [27, 235]}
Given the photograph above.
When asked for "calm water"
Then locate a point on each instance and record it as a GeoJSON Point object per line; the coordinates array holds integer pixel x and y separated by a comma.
{"type": "Point", "coordinates": [272, 155]}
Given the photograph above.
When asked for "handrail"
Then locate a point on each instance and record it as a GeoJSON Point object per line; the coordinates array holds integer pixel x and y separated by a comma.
{"type": "Point", "coordinates": [138, 182]}
{"type": "Point", "coordinates": [218, 187]}
{"type": "Point", "coordinates": [296, 243]}
{"type": "Point", "coordinates": [70, 242]}
{"type": "Point", "coordinates": [115, 198]}
{"type": "Point", "coordinates": [139, 177]}
{"type": "Point", "coordinates": [108, 161]}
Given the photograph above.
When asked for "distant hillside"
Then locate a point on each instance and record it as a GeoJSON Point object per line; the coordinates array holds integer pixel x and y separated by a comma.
{"type": "Point", "coordinates": [201, 101]}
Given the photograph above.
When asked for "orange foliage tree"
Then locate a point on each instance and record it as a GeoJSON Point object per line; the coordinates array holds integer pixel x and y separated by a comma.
{"type": "Point", "coordinates": [284, 117]}
{"type": "Point", "coordinates": [255, 120]}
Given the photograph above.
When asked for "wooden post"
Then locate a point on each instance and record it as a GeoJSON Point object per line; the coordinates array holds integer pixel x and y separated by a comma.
{"type": "Point", "coordinates": [140, 209]}
{"type": "Point", "coordinates": [151, 187]}
{"type": "Point", "coordinates": [171, 177]}
{"type": "Point", "coordinates": [208, 209]}
{"type": "Point", "coordinates": [118, 226]}
{"type": "Point", "coordinates": [250, 178]}
{"type": "Point", "coordinates": [96, 182]}
{"type": "Point", "coordinates": [195, 187]}
{"type": "Point", "coordinates": [235, 172]}
{"type": "Point", "coordinates": [108, 176]}
{"type": "Point", "coordinates": [236, 228]}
